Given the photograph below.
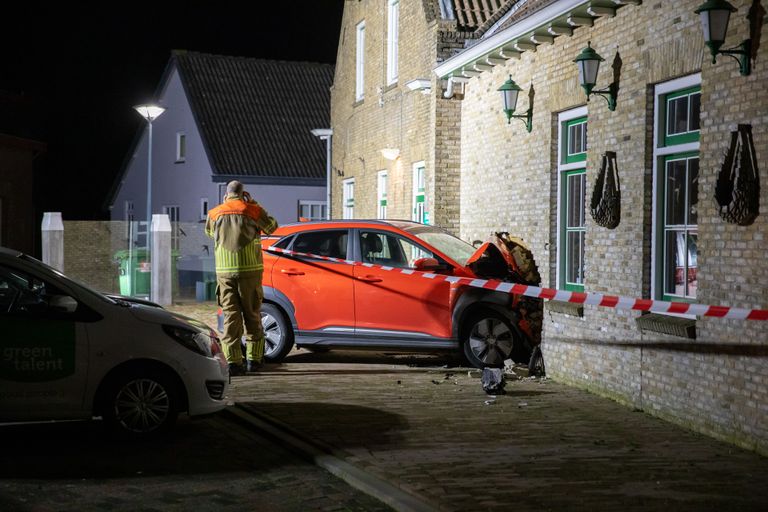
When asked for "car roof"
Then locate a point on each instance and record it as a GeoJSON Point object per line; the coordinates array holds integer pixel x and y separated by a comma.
{"type": "Point", "coordinates": [344, 223]}
{"type": "Point", "coordinates": [13, 253]}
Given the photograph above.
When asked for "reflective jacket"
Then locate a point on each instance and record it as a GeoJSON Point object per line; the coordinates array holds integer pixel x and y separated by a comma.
{"type": "Point", "coordinates": [236, 226]}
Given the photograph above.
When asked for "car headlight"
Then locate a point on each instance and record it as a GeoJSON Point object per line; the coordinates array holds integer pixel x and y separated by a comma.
{"type": "Point", "coordinates": [193, 340]}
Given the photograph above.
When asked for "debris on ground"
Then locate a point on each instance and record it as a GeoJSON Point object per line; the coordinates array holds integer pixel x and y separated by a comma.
{"type": "Point", "coordinates": [493, 381]}
{"type": "Point", "coordinates": [490, 402]}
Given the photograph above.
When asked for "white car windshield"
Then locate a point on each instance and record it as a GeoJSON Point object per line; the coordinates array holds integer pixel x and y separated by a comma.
{"type": "Point", "coordinates": [71, 282]}
{"type": "Point", "coordinates": [455, 248]}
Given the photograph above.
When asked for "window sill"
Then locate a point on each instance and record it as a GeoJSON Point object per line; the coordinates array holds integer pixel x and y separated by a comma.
{"type": "Point", "coordinates": [357, 103]}
{"type": "Point", "coordinates": [565, 308]}
{"type": "Point", "coordinates": [180, 161]}
{"type": "Point", "coordinates": [665, 324]}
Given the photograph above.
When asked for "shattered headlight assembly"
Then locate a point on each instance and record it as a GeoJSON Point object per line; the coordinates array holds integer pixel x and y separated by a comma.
{"type": "Point", "coordinates": [195, 341]}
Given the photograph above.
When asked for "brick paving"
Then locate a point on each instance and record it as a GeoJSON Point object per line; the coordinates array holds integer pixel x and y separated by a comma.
{"type": "Point", "coordinates": [432, 431]}
{"type": "Point", "coordinates": [212, 464]}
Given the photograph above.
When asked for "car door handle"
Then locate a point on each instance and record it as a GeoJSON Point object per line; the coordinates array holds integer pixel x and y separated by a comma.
{"type": "Point", "coordinates": [370, 279]}
{"type": "Point", "coordinates": [292, 272]}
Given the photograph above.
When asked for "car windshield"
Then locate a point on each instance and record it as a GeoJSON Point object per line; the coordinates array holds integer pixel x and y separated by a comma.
{"type": "Point", "coordinates": [455, 248]}
{"type": "Point", "coordinates": [70, 281]}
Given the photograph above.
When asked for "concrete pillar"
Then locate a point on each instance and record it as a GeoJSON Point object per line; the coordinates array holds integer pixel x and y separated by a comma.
{"type": "Point", "coordinates": [53, 240]}
{"type": "Point", "coordinates": [160, 291]}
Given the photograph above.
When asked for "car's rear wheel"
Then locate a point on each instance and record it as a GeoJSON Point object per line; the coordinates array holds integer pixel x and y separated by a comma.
{"type": "Point", "coordinates": [489, 339]}
{"type": "Point", "coordinates": [141, 403]}
{"type": "Point", "coordinates": [278, 333]}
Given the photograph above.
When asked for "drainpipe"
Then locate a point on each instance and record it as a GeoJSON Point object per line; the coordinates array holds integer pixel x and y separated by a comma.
{"type": "Point", "coordinates": [453, 81]}
{"type": "Point", "coordinates": [326, 134]}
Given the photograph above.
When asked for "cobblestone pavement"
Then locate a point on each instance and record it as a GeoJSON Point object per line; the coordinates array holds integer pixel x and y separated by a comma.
{"type": "Point", "coordinates": [431, 430]}
{"type": "Point", "coordinates": [207, 464]}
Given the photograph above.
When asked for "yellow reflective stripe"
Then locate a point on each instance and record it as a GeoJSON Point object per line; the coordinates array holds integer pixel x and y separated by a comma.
{"type": "Point", "coordinates": [247, 258]}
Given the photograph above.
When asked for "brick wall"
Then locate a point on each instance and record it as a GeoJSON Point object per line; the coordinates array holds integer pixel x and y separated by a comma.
{"type": "Point", "coordinates": [89, 252]}
{"type": "Point", "coordinates": [716, 383]}
{"type": "Point", "coordinates": [424, 127]}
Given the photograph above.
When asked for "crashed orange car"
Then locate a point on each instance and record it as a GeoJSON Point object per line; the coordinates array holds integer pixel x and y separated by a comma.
{"type": "Point", "coordinates": [384, 304]}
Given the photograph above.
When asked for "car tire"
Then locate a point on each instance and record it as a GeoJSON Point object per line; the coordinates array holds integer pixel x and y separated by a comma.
{"type": "Point", "coordinates": [489, 338]}
{"type": "Point", "coordinates": [536, 364]}
{"type": "Point", "coordinates": [141, 403]}
{"type": "Point", "coordinates": [278, 333]}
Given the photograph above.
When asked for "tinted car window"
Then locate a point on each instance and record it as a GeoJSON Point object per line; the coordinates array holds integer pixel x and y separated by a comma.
{"type": "Point", "coordinates": [390, 250]}
{"type": "Point", "coordinates": [331, 243]}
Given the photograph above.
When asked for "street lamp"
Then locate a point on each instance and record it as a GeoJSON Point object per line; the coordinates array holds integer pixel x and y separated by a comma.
{"type": "Point", "coordinates": [326, 134]}
{"type": "Point", "coordinates": [150, 112]}
{"type": "Point", "coordinates": [715, 15]}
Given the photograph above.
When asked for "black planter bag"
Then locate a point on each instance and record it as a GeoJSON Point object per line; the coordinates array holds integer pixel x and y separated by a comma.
{"type": "Point", "coordinates": [605, 205]}
{"type": "Point", "coordinates": [737, 191]}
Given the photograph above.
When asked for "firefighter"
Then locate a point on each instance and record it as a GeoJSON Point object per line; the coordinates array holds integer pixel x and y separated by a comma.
{"type": "Point", "coordinates": [236, 226]}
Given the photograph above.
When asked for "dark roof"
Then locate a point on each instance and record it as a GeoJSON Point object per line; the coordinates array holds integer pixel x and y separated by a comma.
{"type": "Point", "coordinates": [474, 14]}
{"type": "Point", "coordinates": [255, 115]}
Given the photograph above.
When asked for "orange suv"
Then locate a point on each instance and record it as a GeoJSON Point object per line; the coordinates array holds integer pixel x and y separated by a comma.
{"type": "Point", "coordinates": [319, 304]}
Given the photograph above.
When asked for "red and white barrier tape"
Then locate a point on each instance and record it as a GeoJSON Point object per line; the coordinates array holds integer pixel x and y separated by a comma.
{"type": "Point", "coordinates": [595, 299]}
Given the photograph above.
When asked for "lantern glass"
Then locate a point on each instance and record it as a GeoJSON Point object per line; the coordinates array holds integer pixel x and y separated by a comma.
{"type": "Point", "coordinates": [588, 72]}
{"type": "Point", "coordinates": [510, 99]}
{"type": "Point", "coordinates": [714, 24]}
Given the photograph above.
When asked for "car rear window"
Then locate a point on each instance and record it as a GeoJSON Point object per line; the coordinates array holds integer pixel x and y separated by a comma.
{"type": "Point", "coordinates": [331, 243]}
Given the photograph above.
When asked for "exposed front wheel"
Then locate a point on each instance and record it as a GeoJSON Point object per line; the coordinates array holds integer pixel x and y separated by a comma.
{"type": "Point", "coordinates": [278, 333]}
{"type": "Point", "coordinates": [489, 339]}
{"type": "Point", "coordinates": [141, 403]}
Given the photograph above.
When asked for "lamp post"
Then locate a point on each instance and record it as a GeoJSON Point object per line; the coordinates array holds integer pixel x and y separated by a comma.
{"type": "Point", "coordinates": [326, 134]}
{"type": "Point", "coordinates": [149, 112]}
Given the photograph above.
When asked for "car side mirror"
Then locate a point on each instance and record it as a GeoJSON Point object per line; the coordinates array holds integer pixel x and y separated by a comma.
{"type": "Point", "coordinates": [62, 304]}
{"type": "Point", "coordinates": [425, 264]}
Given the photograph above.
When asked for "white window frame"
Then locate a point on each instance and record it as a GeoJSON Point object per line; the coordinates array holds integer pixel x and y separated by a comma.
{"type": "Point", "coordinates": [348, 198]}
{"type": "Point", "coordinates": [393, 36]}
{"type": "Point", "coordinates": [360, 61]}
{"type": "Point", "coordinates": [309, 204]}
{"type": "Point", "coordinates": [562, 168]}
{"type": "Point", "coordinates": [419, 212]}
{"type": "Point", "coordinates": [181, 147]}
{"type": "Point", "coordinates": [204, 207]}
{"type": "Point", "coordinates": [659, 152]}
{"type": "Point", "coordinates": [381, 194]}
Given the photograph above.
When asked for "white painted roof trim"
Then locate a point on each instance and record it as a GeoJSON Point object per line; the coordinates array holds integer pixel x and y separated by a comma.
{"type": "Point", "coordinates": [507, 35]}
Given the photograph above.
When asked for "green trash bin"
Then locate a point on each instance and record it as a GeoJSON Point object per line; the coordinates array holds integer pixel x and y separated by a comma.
{"type": "Point", "coordinates": [134, 268]}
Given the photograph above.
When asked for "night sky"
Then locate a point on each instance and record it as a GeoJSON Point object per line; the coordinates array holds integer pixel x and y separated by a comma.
{"type": "Point", "coordinates": [81, 69]}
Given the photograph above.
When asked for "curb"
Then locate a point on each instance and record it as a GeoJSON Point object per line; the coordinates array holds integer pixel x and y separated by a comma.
{"type": "Point", "coordinates": [356, 477]}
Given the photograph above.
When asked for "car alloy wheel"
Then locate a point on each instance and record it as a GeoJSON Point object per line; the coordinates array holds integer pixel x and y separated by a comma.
{"type": "Point", "coordinates": [489, 341]}
{"type": "Point", "coordinates": [278, 333]}
{"type": "Point", "coordinates": [273, 334]}
{"type": "Point", "coordinates": [143, 404]}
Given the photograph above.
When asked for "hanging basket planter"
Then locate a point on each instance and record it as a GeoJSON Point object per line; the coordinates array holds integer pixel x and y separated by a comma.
{"type": "Point", "coordinates": [605, 205]}
{"type": "Point", "coordinates": [737, 191]}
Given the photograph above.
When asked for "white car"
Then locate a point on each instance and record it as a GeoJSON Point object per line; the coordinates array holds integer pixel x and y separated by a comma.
{"type": "Point", "coordinates": [69, 352]}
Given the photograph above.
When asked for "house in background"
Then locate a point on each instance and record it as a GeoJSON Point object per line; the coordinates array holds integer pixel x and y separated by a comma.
{"type": "Point", "coordinates": [396, 136]}
{"type": "Point", "coordinates": [226, 118]}
{"type": "Point", "coordinates": [231, 118]}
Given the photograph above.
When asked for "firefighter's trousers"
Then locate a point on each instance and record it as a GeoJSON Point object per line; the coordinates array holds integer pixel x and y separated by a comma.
{"type": "Point", "coordinates": [240, 297]}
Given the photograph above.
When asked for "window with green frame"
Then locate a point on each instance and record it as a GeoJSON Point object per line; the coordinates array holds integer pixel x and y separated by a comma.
{"type": "Point", "coordinates": [681, 116]}
{"type": "Point", "coordinates": [574, 137]}
{"type": "Point", "coordinates": [572, 229]}
{"type": "Point", "coordinates": [678, 228]}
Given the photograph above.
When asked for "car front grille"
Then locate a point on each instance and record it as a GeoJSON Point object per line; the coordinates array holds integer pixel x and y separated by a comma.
{"type": "Point", "coordinates": [215, 389]}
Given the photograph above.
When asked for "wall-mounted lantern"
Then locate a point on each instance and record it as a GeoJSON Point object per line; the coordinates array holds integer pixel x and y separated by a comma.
{"type": "Point", "coordinates": [509, 92]}
{"type": "Point", "coordinates": [589, 63]}
{"type": "Point", "coordinates": [714, 22]}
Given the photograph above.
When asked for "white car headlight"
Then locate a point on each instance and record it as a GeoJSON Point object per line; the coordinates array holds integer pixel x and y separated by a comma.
{"type": "Point", "coordinates": [193, 340]}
